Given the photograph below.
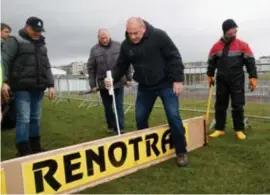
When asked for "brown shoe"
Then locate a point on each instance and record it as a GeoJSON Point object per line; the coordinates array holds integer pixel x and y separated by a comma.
{"type": "Point", "coordinates": [182, 160]}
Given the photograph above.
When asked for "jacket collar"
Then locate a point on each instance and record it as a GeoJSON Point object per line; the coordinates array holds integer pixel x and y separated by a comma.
{"type": "Point", "coordinates": [40, 41]}
{"type": "Point", "coordinates": [106, 46]}
{"type": "Point", "coordinates": [227, 41]}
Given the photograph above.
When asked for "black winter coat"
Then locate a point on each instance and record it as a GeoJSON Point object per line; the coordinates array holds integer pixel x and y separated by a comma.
{"type": "Point", "coordinates": [26, 63]}
{"type": "Point", "coordinates": [156, 60]}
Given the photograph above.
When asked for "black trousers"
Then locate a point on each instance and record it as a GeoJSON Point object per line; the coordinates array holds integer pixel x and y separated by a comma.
{"type": "Point", "coordinates": [235, 91]}
{"type": "Point", "coordinates": [108, 107]}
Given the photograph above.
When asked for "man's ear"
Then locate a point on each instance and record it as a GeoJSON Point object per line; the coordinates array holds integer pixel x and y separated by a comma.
{"type": "Point", "coordinates": [26, 26]}
{"type": "Point", "coordinates": [143, 29]}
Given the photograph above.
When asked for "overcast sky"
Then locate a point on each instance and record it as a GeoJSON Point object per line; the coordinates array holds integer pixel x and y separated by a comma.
{"type": "Point", "coordinates": [194, 25]}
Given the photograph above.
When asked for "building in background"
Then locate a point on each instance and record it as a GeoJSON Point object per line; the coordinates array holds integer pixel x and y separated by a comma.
{"type": "Point", "coordinates": [80, 67]}
{"type": "Point", "coordinates": [75, 68]}
{"type": "Point", "coordinates": [58, 72]}
{"type": "Point", "coordinates": [264, 60]}
{"type": "Point", "coordinates": [67, 68]}
{"type": "Point", "coordinates": [195, 64]}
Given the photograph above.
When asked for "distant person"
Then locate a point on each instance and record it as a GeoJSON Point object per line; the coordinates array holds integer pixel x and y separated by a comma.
{"type": "Point", "coordinates": [102, 58]}
{"type": "Point", "coordinates": [7, 107]}
{"type": "Point", "coordinates": [27, 74]}
{"type": "Point", "coordinates": [159, 71]}
{"type": "Point", "coordinates": [5, 32]}
{"type": "Point", "coordinates": [228, 56]}
{"type": "Point", "coordinates": [1, 81]}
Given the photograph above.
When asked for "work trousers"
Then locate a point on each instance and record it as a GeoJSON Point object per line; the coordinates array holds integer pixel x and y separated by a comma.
{"type": "Point", "coordinates": [235, 91]}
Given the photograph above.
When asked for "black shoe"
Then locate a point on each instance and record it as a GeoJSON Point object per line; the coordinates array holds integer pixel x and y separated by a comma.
{"type": "Point", "coordinates": [110, 130]}
{"type": "Point", "coordinates": [35, 145]}
{"type": "Point", "coordinates": [23, 149]}
{"type": "Point", "coordinates": [182, 160]}
{"type": "Point", "coordinates": [122, 131]}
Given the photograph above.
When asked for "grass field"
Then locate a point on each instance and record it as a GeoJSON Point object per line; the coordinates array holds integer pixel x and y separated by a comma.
{"type": "Point", "coordinates": [224, 166]}
{"type": "Point", "coordinates": [265, 76]}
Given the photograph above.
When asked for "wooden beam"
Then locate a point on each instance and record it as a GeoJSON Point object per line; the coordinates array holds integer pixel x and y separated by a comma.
{"type": "Point", "coordinates": [75, 168]}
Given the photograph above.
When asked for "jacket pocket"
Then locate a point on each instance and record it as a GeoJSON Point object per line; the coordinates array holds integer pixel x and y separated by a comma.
{"type": "Point", "coordinates": [148, 75]}
{"type": "Point", "coordinates": [154, 75]}
{"type": "Point", "coordinates": [115, 55]}
{"type": "Point", "coordinates": [17, 70]}
{"type": "Point", "coordinates": [100, 65]}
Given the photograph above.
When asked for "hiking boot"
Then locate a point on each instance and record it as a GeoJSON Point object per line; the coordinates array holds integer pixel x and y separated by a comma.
{"type": "Point", "coordinates": [23, 149]}
{"type": "Point", "coordinates": [182, 160]}
{"type": "Point", "coordinates": [217, 133]}
{"type": "Point", "coordinates": [240, 135]}
{"type": "Point", "coordinates": [35, 146]}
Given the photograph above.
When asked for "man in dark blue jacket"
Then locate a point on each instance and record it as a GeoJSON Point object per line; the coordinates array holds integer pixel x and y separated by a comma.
{"type": "Point", "coordinates": [159, 71]}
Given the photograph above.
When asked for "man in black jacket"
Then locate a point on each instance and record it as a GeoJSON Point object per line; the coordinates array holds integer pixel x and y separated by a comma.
{"type": "Point", "coordinates": [159, 71]}
{"type": "Point", "coordinates": [27, 73]}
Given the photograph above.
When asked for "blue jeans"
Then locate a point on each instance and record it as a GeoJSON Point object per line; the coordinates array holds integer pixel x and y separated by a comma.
{"type": "Point", "coordinates": [144, 105]}
{"type": "Point", "coordinates": [28, 114]}
{"type": "Point", "coordinates": [108, 108]}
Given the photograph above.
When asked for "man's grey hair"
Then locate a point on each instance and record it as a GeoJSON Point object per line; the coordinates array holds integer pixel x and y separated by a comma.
{"type": "Point", "coordinates": [137, 20]}
{"type": "Point", "coordinates": [102, 30]}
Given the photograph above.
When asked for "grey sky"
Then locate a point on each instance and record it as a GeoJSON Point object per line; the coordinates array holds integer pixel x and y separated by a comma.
{"type": "Point", "coordinates": [194, 25]}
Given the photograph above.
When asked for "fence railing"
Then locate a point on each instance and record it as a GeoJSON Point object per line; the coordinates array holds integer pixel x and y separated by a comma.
{"type": "Point", "coordinates": [194, 97]}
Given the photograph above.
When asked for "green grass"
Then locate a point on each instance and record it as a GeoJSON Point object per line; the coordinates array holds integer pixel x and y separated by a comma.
{"type": "Point", "coordinates": [265, 76]}
{"type": "Point", "coordinates": [224, 166]}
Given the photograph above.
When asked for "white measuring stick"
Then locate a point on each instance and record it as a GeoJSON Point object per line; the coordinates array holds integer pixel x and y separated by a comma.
{"type": "Point", "coordinates": [111, 92]}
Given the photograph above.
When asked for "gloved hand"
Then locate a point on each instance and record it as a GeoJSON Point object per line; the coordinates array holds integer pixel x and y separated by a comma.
{"type": "Point", "coordinates": [253, 84]}
{"type": "Point", "coordinates": [211, 81]}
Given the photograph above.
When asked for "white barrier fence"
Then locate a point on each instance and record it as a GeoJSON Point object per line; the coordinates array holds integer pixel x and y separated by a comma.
{"type": "Point", "coordinates": [194, 97]}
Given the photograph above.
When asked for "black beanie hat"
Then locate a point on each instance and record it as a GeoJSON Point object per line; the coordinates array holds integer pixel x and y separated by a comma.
{"type": "Point", "coordinates": [228, 24]}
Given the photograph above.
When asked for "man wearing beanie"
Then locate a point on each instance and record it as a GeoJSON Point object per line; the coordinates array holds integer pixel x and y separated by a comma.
{"type": "Point", "coordinates": [228, 56]}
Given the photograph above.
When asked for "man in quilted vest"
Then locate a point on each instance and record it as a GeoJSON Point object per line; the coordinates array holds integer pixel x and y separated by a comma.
{"type": "Point", "coordinates": [27, 74]}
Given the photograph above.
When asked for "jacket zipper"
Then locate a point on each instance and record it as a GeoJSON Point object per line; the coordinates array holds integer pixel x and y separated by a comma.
{"type": "Point", "coordinates": [37, 67]}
